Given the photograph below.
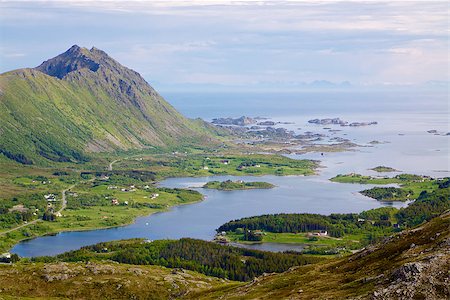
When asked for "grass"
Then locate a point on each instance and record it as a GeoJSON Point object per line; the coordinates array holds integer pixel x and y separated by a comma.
{"type": "Point", "coordinates": [383, 169]}
{"type": "Point", "coordinates": [414, 184]}
{"type": "Point", "coordinates": [358, 275]}
{"type": "Point", "coordinates": [99, 281]}
{"type": "Point", "coordinates": [237, 185]}
{"type": "Point", "coordinates": [103, 214]}
{"type": "Point", "coordinates": [198, 165]}
{"type": "Point", "coordinates": [17, 186]}
{"type": "Point", "coordinates": [349, 241]}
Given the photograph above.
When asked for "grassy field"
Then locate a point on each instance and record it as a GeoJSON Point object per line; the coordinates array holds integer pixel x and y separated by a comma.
{"type": "Point", "coordinates": [182, 164]}
{"type": "Point", "coordinates": [90, 206]}
{"type": "Point", "coordinates": [100, 280]}
{"type": "Point", "coordinates": [350, 241]}
{"type": "Point", "coordinates": [413, 184]}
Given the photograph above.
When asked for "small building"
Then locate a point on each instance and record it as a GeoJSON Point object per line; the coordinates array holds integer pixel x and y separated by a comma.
{"type": "Point", "coordinates": [5, 257]}
{"type": "Point", "coordinates": [323, 233]}
{"type": "Point", "coordinates": [205, 168]}
{"type": "Point", "coordinates": [115, 202]}
{"type": "Point", "coordinates": [154, 196]}
{"type": "Point", "coordinates": [225, 161]}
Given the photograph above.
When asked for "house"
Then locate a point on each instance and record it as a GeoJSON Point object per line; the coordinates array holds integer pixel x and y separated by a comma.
{"type": "Point", "coordinates": [225, 161]}
{"type": "Point", "coordinates": [115, 202]}
{"type": "Point", "coordinates": [50, 197]}
{"type": "Point", "coordinates": [112, 187]}
{"type": "Point", "coordinates": [125, 202]}
{"type": "Point", "coordinates": [146, 187]}
{"type": "Point", "coordinates": [323, 233]}
{"type": "Point", "coordinates": [154, 196]}
{"type": "Point", "coordinates": [5, 257]}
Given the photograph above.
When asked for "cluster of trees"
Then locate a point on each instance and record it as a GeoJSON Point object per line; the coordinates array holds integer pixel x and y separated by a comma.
{"type": "Point", "coordinates": [336, 224]}
{"type": "Point", "coordinates": [7, 218]}
{"type": "Point", "coordinates": [12, 217]}
{"type": "Point", "coordinates": [250, 235]}
{"type": "Point", "coordinates": [237, 185]}
{"type": "Point", "coordinates": [387, 193]}
{"type": "Point", "coordinates": [197, 255]}
{"type": "Point", "coordinates": [373, 223]}
{"type": "Point", "coordinates": [18, 157]}
{"type": "Point", "coordinates": [49, 216]}
{"type": "Point", "coordinates": [427, 206]}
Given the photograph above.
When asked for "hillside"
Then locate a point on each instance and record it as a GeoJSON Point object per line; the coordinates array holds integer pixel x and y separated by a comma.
{"type": "Point", "coordinates": [413, 264]}
{"type": "Point", "coordinates": [84, 101]}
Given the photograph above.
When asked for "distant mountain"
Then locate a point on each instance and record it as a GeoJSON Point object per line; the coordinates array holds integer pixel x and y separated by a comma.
{"type": "Point", "coordinates": [84, 101]}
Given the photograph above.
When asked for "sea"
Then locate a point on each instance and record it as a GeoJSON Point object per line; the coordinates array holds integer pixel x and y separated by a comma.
{"type": "Point", "coordinates": [412, 132]}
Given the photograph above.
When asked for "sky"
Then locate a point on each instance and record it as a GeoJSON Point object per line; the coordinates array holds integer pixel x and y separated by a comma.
{"type": "Point", "coordinates": [246, 45]}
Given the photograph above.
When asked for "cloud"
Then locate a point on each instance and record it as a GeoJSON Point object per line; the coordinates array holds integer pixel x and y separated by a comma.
{"type": "Point", "coordinates": [240, 42]}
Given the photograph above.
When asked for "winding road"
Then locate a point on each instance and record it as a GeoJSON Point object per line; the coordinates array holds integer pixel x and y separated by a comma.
{"type": "Point", "coordinates": [63, 204]}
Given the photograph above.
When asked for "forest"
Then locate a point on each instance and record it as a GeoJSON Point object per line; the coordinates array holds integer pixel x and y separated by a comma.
{"type": "Point", "coordinates": [388, 193]}
{"type": "Point", "coordinates": [205, 257]}
{"type": "Point", "coordinates": [381, 220]}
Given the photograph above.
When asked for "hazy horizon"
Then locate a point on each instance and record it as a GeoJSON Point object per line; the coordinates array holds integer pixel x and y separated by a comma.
{"type": "Point", "coordinates": [241, 45]}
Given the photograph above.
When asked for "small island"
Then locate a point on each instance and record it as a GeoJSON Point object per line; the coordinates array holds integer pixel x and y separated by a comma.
{"type": "Point", "coordinates": [230, 185]}
{"type": "Point", "coordinates": [383, 169]}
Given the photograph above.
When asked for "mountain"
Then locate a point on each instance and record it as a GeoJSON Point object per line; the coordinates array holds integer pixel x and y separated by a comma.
{"type": "Point", "coordinates": [84, 101]}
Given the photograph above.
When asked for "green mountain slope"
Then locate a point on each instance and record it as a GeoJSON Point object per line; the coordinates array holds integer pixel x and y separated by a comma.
{"type": "Point", "coordinates": [84, 101]}
{"type": "Point", "coordinates": [413, 264]}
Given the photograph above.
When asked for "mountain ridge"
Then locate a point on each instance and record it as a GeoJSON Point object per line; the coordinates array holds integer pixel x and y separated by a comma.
{"type": "Point", "coordinates": [84, 101]}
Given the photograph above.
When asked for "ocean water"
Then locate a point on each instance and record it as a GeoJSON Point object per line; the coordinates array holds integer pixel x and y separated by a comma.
{"type": "Point", "coordinates": [403, 121]}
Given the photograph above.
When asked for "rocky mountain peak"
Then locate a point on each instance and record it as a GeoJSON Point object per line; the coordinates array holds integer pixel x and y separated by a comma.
{"type": "Point", "coordinates": [75, 58]}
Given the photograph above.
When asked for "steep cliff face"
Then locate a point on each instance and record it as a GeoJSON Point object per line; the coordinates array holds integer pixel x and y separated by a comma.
{"type": "Point", "coordinates": [84, 101]}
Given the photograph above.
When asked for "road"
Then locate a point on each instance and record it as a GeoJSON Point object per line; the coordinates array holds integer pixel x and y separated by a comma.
{"type": "Point", "coordinates": [63, 198]}
{"type": "Point", "coordinates": [63, 204]}
{"type": "Point", "coordinates": [110, 167]}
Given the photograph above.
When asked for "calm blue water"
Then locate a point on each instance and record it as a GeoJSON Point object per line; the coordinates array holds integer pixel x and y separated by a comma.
{"type": "Point", "coordinates": [415, 151]}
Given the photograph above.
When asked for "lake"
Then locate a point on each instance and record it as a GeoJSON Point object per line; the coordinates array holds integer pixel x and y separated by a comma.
{"type": "Point", "coordinates": [404, 119]}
